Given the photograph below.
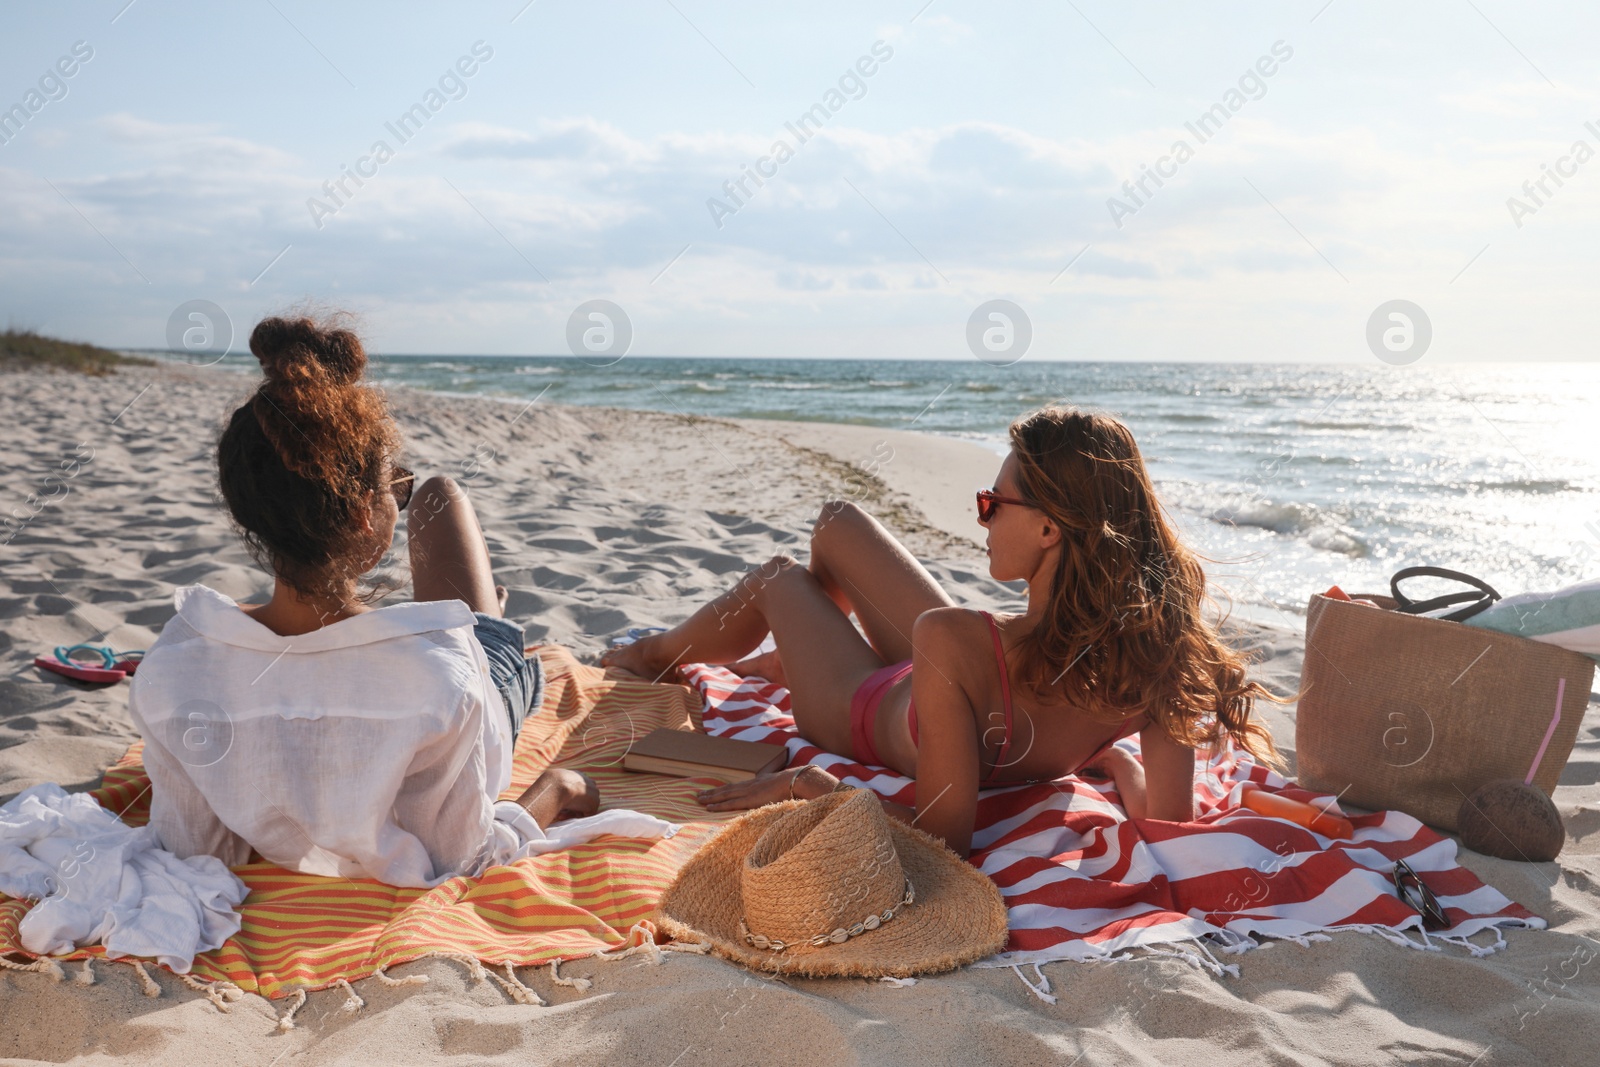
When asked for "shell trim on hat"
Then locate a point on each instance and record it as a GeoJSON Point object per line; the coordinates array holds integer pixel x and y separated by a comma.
{"type": "Point", "coordinates": [838, 936]}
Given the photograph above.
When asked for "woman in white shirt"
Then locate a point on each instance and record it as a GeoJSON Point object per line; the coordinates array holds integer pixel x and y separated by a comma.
{"type": "Point", "coordinates": [330, 736]}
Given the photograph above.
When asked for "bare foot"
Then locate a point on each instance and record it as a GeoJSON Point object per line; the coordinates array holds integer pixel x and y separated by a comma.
{"type": "Point", "coordinates": [767, 665]}
{"type": "Point", "coordinates": [648, 658]}
{"type": "Point", "coordinates": [502, 594]}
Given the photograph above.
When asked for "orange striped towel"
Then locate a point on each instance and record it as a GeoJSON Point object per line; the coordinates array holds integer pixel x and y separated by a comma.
{"type": "Point", "coordinates": [304, 931]}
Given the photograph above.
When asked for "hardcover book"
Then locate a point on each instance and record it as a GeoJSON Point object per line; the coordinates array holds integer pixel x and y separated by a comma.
{"type": "Point", "coordinates": [692, 754]}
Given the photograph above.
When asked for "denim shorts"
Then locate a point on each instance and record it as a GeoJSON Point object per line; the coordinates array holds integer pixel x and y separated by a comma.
{"type": "Point", "coordinates": [519, 678]}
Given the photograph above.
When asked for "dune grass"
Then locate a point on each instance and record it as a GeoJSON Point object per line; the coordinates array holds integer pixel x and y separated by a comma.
{"type": "Point", "coordinates": [27, 348]}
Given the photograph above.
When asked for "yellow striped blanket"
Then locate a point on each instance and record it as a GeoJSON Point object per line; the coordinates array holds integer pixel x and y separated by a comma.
{"type": "Point", "coordinates": [305, 931]}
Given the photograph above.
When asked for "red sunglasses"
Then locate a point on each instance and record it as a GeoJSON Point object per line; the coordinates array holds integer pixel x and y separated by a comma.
{"type": "Point", "coordinates": [989, 502]}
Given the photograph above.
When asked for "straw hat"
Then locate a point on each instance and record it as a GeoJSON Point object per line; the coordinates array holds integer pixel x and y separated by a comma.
{"type": "Point", "coordinates": [833, 887]}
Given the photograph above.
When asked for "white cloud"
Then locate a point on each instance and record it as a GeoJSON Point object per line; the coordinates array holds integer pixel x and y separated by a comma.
{"type": "Point", "coordinates": [940, 217]}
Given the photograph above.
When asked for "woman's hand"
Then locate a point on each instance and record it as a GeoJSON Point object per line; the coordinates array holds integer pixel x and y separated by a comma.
{"type": "Point", "coordinates": [800, 783]}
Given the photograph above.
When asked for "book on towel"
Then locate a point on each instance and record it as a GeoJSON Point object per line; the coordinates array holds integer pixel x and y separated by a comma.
{"type": "Point", "coordinates": [692, 754]}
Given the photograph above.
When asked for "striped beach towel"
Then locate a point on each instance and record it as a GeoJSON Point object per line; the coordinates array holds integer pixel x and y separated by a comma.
{"type": "Point", "coordinates": [304, 931]}
{"type": "Point", "coordinates": [1082, 882]}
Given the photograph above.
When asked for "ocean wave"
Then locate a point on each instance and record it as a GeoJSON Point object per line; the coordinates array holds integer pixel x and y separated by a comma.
{"type": "Point", "coordinates": [1338, 539]}
{"type": "Point", "coordinates": [1536, 486]}
{"type": "Point", "coordinates": [1329, 424]}
{"type": "Point", "coordinates": [1305, 521]}
{"type": "Point", "coordinates": [791, 385]}
{"type": "Point", "coordinates": [1267, 515]}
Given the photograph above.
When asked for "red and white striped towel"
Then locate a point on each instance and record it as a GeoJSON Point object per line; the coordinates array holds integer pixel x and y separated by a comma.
{"type": "Point", "coordinates": [1082, 882]}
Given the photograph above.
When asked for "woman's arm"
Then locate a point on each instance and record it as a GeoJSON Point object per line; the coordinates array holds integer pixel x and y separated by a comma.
{"type": "Point", "coordinates": [560, 794]}
{"type": "Point", "coordinates": [1169, 776]}
{"type": "Point", "coordinates": [947, 746]}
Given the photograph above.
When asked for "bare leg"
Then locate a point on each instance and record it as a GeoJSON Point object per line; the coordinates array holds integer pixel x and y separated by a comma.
{"type": "Point", "coordinates": [728, 628]}
{"type": "Point", "coordinates": [449, 558]}
{"type": "Point", "coordinates": [865, 570]}
{"type": "Point", "coordinates": [824, 657]}
{"type": "Point", "coordinates": [859, 566]}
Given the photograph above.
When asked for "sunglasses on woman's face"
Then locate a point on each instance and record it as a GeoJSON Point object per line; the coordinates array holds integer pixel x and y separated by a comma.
{"type": "Point", "coordinates": [1415, 892]}
{"type": "Point", "coordinates": [401, 486]}
{"type": "Point", "coordinates": [989, 502]}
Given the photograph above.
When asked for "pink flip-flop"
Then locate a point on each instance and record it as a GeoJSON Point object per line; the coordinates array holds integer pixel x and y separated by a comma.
{"type": "Point", "coordinates": [112, 666]}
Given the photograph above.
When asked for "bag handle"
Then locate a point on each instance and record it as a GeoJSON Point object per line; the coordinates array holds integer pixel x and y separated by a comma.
{"type": "Point", "coordinates": [1479, 597]}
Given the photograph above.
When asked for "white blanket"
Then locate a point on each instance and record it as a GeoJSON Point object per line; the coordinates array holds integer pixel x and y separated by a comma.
{"type": "Point", "coordinates": [98, 879]}
{"type": "Point", "coordinates": [622, 822]}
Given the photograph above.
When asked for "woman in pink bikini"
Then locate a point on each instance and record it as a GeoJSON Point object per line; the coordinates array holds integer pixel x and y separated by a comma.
{"type": "Point", "coordinates": [1113, 642]}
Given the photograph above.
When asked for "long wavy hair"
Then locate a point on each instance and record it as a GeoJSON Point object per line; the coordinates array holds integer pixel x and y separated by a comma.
{"type": "Point", "coordinates": [300, 461]}
{"type": "Point", "coordinates": [1123, 632]}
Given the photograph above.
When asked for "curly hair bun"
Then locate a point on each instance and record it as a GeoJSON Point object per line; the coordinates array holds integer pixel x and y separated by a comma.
{"type": "Point", "coordinates": [301, 461]}
{"type": "Point", "coordinates": [298, 349]}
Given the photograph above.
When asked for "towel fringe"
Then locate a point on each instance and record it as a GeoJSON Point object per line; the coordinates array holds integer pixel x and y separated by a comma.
{"type": "Point", "coordinates": [1303, 940]}
{"type": "Point", "coordinates": [1399, 938]}
{"type": "Point", "coordinates": [1216, 966]}
{"type": "Point", "coordinates": [43, 965]}
{"type": "Point", "coordinates": [286, 1020]}
{"type": "Point", "coordinates": [210, 990]}
{"type": "Point", "coordinates": [473, 964]}
{"type": "Point", "coordinates": [1042, 990]}
{"type": "Point", "coordinates": [352, 999]}
{"type": "Point", "coordinates": [1204, 951]}
{"type": "Point", "coordinates": [85, 976]}
{"type": "Point", "coordinates": [146, 983]}
{"type": "Point", "coordinates": [1478, 951]}
{"type": "Point", "coordinates": [580, 984]}
{"type": "Point", "coordinates": [641, 941]}
{"type": "Point", "coordinates": [410, 979]}
{"type": "Point", "coordinates": [698, 948]}
{"type": "Point", "coordinates": [514, 987]}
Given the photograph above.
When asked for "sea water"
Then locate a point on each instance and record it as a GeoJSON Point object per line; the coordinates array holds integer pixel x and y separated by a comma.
{"type": "Point", "coordinates": [1289, 477]}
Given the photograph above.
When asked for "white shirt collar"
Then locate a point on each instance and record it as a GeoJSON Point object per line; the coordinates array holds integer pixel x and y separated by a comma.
{"type": "Point", "coordinates": [217, 616]}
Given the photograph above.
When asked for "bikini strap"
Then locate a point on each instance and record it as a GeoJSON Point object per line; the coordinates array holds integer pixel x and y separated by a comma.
{"type": "Point", "coordinates": [1005, 690]}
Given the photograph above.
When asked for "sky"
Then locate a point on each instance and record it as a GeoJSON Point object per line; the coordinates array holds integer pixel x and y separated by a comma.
{"type": "Point", "coordinates": [1351, 154]}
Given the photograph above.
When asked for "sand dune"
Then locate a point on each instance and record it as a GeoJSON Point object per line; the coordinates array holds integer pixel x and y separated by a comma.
{"type": "Point", "coordinates": [601, 519]}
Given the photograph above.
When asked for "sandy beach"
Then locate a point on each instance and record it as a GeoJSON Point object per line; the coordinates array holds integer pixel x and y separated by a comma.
{"type": "Point", "coordinates": [600, 519]}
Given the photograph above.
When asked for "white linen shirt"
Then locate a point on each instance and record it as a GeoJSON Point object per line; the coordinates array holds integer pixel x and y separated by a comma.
{"type": "Point", "coordinates": [373, 747]}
